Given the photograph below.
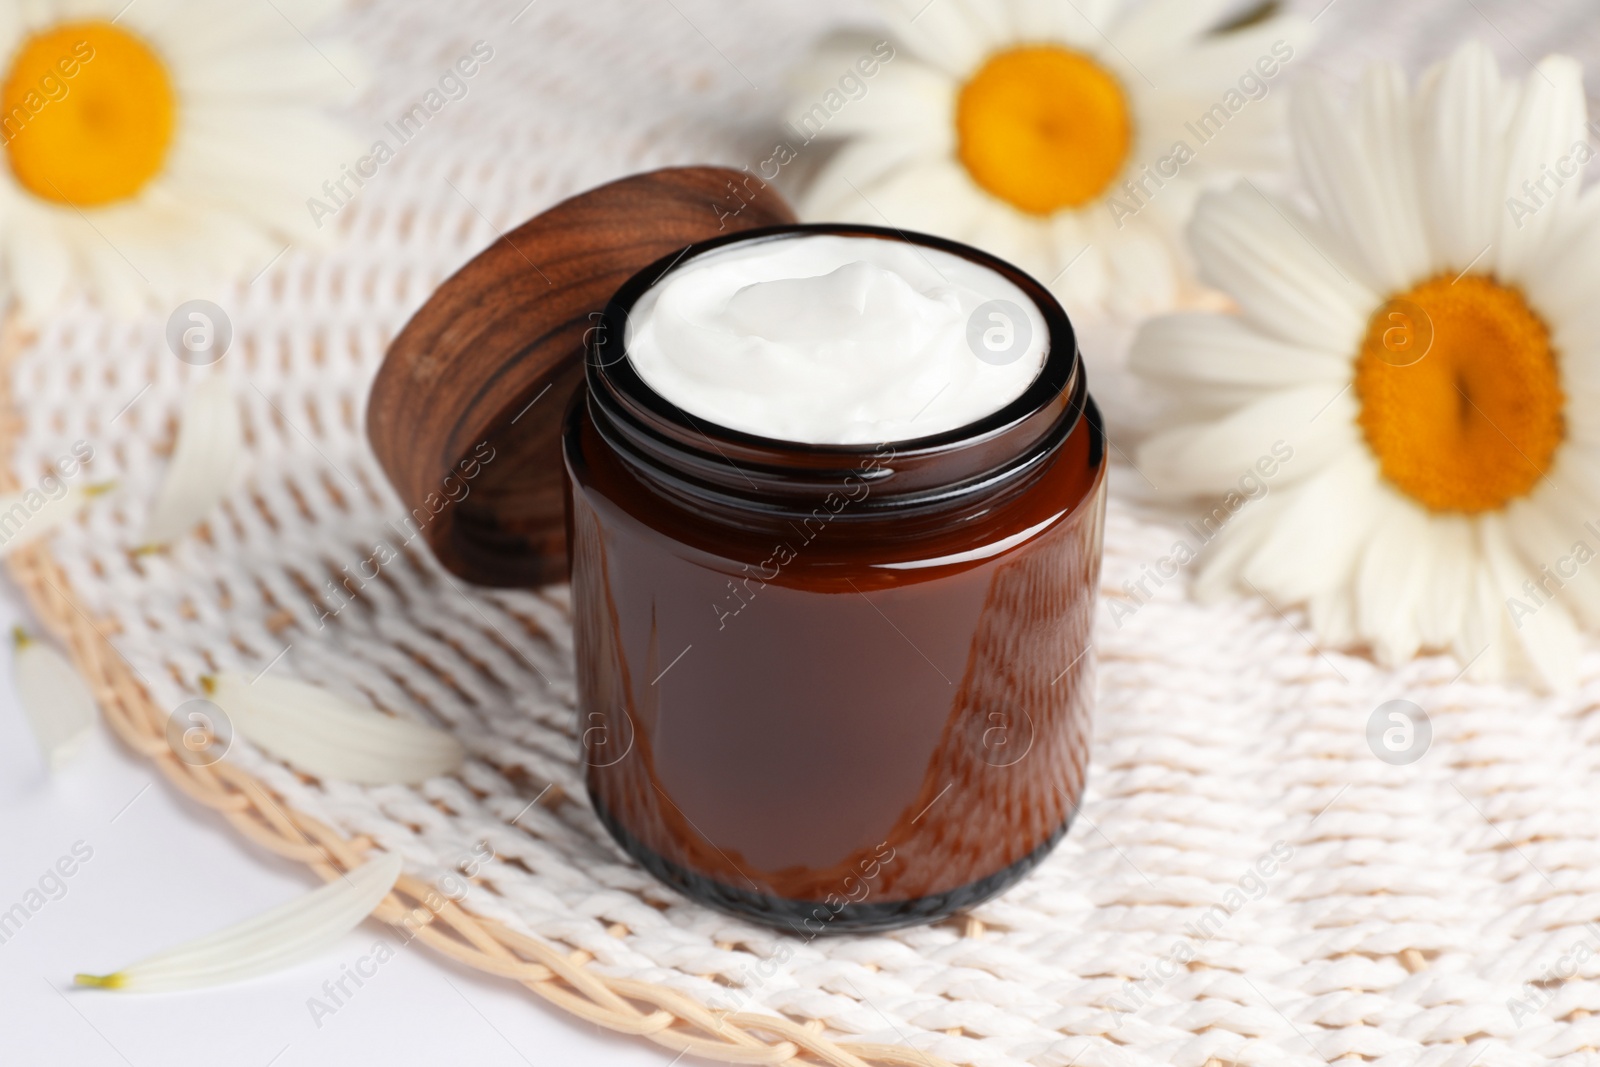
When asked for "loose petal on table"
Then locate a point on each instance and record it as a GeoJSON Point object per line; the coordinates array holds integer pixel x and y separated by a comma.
{"type": "Point", "coordinates": [282, 937]}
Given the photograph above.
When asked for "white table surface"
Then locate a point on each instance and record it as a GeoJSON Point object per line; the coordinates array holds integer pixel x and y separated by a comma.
{"type": "Point", "coordinates": [165, 869]}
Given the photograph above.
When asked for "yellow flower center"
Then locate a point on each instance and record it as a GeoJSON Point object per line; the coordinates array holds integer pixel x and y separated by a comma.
{"type": "Point", "coordinates": [88, 114]}
{"type": "Point", "coordinates": [1043, 128]}
{"type": "Point", "coordinates": [1460, 395]}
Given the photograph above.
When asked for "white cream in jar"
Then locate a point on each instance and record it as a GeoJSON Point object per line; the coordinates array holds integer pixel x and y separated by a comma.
{"type": "Point", "coordinates": [827, 339]}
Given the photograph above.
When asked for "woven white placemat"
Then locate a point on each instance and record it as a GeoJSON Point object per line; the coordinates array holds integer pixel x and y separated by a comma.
{"type": "Point", "coordinates": [1247, 882]}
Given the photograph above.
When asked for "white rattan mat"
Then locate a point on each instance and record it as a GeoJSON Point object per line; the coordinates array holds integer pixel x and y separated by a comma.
{"type": "Point", "coordinates": [1414, 903]}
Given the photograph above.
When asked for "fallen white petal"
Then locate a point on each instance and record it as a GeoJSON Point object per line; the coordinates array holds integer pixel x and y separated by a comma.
{"type": "Point", "coordinates": [210, 443]}
{"type": "Point", "coordinates": [30, 514]}
{"type": "Point", "coordinates": [288, 934]}
{"type": "Point", "coordinates": [327, 736]}
{"type": "Point", "coordinates": [53, 695]}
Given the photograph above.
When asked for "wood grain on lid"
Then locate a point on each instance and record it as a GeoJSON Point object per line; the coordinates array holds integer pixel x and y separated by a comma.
{"type": "Point", "coordinates": [487, 366]}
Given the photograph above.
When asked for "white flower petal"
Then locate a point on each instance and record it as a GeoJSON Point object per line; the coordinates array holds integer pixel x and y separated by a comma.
{"type": "Point", "coordinates": [1154, 30]}
{"type": "Point", "coordinates": [1480, 639]}
{"type": "Point", "coordinates": [210, 445]}
{"type": "Point", "coordinates": [1559, 284]}
{"type": "Point", "coordinates": [1386, 130]}
{"type": "Point", "coordinates": [1309, 426]}
{"type": "Point", "coordinates": [1143, 275]}
{"type": "Point", "coordinates": [933, 195]}
{"type": "Point", "coordinates": [1547, 640]}
{"type": "Point", "coordinates": [325, 735]}
{"type": "Point", "coordinates": [1051, 20]}
{"type": "Point", "coordinates": [1083, 282]}
{"type": "Point", "coordinates": [1362, 176]}
{"type": "Point", "coordinates": [29, 514]}
{"type": "Point", "coordinates": [1554, 530]}
{"type": "Point", "coordinates": [846, 188]}
{"type": "Point", "coordinates": [1248, 246]}
{"type": "Point", "coordinates": [39, 266]}
{"type": "Point", "coordinates": [955, 35]}
{"type": "Point", "coordinates": [1550, 120]}
{"type": "Point", "coordinates": [1234, 544]}
{"type": "Point", "coordinates": [1212, 65]}
{"type": "Point", "coordinates": [1201, 350]}
{"type": "Point", "coordinates": [1317, 538]}
{"type": "Point", "coordinates": [1452, 556]}
{"type": "Point", "coordinates": [905, 100]}
{"type": "Point", "coordinates": [1392, 578]}
{"type": "Point", "coordinates": [1333, 617]}
{"type": "Point", "coordinates": [1576, 341]}
{"type": "Point", "coordinates": [1582, 416]}
{"type": "Point", "coordinates": [1459, 152]}
{"type": "Point", "coordinates": [1257, 549]}
{"type": "Point", "coordinates": [289, 934]}
{"type": "Point", "coordinates": [54, 697]}
{"type": "Point", "coordinates": [1253, 139]}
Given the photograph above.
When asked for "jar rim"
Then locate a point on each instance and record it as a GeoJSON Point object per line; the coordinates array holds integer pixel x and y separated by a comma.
{"type": "Point", "coordinates": [673, 446]}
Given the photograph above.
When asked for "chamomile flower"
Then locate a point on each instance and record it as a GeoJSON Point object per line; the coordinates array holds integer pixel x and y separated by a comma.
{"type": "Point", "coordinates": [1425, 340]}
{"type": "Point", "coordinates": [1069, 138]}
{"type": "Point", "coordinates": [153, 146]}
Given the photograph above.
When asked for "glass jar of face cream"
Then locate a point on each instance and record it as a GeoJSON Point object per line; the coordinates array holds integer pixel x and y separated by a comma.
{"type": "Point", "coordinates": [835, 531]}
{"type": "Point", "coordinates": [831, 502]}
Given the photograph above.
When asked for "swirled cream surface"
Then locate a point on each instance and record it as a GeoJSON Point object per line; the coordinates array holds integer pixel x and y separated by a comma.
{"type": "Point", "coordinates": [826, 339]}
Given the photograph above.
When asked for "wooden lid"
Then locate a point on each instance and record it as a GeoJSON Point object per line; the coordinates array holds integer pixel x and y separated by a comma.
{"type": "Point", "coordinates": [466, 412]}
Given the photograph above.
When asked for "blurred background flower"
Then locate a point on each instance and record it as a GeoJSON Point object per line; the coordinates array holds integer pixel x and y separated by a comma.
{"type": "Point", "coordinates": [1070, 138]}
{"type": "Point", "coordinates": [1427, 344]}
{"type": "Point", "coordinates": [153, 148]}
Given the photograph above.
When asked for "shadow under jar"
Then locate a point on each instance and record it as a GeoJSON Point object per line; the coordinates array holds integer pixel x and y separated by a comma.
{"type": "Point", "coordinates": [834, 687]}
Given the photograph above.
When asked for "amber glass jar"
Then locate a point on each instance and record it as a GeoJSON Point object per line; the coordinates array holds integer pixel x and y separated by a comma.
{"type": "Point", "coordinates": [834, 687]}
